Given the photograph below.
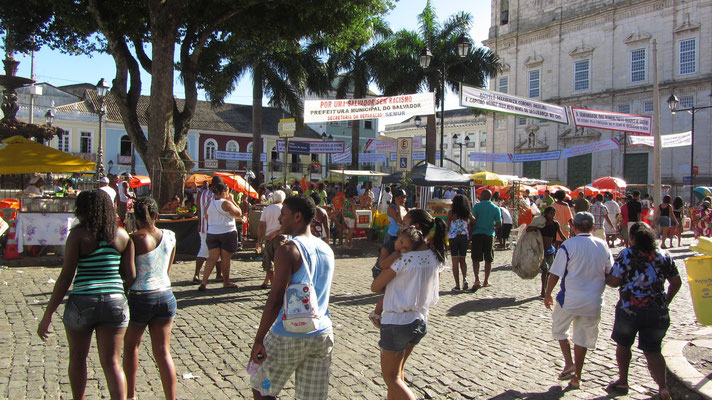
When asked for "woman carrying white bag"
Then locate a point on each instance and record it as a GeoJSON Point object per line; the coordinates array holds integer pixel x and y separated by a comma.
{"type": "Point", "coordinates": [295, 335]}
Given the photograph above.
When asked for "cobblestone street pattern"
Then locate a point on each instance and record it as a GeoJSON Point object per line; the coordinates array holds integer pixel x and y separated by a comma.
{"type": "Point", "coordinates": [492, 344]}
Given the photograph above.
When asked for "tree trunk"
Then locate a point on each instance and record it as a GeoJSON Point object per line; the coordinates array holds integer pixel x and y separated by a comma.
{"type": "Point", "coordinates": [355, 135]}
{"type": "Point", "coordinates": [162, 158]}
{"type": "Point", "coordinates": [257, 127]}
{"type": "Point", "coordinates": [431, 140]}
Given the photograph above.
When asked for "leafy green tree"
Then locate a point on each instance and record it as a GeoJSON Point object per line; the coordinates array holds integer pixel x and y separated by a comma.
{"type": "Point", "coordinates": [406, 46]}
{"type": "Point", "coordinates": [358, 67]}
{"type": "Point", "coordinates": [283, 72]}
{"type": "Point", "coordinates": [165, 37]}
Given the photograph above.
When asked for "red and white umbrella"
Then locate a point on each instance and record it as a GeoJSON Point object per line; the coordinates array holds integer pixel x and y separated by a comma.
{"type": "Point", "coordinates": [609, 183]}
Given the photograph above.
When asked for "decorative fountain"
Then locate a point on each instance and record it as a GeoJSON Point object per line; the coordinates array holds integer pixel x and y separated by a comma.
{"type": "Point", "coordinates": [9, 124]}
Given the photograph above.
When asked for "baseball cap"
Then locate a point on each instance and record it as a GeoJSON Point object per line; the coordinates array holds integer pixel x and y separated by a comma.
{"type": "Point", "coordinates": [582, 217]}
{"type": "Point", "coordinates": [398, 193]}
{"type": "Point", "coordinates": [103, 180]}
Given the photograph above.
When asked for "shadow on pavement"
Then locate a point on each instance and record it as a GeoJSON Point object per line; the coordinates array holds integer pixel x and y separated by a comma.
{"type": "Point", "coordinates": [217, 295]}
{"type": "Point", "coordinates": [354, 300]}
{"type": "Point", "coordinates": [554, 392]}
{"type": "Point", "coordinates": [486, 305]}
{"type": "Point", "coordinates": [506, 267]}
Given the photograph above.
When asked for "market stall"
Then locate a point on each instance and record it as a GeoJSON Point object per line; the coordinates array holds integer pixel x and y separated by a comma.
{"type": "Point", "coordinates": [41, 220]}
{"type": "Point", "coordinates": [364, 218]}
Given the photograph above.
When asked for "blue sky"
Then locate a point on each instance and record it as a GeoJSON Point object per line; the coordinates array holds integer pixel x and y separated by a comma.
{"type": "Point", "coordinates": [60, 69]}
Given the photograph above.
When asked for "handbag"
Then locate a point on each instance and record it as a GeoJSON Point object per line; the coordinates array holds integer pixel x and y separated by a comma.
{"type": "Point", "coordinates": [300, 309]}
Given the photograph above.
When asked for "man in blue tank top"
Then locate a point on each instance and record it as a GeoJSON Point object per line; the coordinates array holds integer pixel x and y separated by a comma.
{"type": "Point", "coordinates": [280, 352]}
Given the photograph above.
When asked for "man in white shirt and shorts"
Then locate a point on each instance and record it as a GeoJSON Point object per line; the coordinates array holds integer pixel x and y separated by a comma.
{"type": "Point", "coordinates": [270, 230]}
{"type": "Point", "coordinates": [582, 263]}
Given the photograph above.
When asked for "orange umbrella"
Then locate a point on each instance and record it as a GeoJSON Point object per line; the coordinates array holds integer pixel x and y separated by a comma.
{"type": "Point", "coordinates": [506, 190]}
{"type": "Point", "coordinates": [610, 183]}
{"type": "Point", "coordinates": [554, 188]}
{"type": "Point", "coordinates": [588, 191]}
{"type": "Point", "coordinates": [238, 183]}
{"type": "Point", "coordinates": [197, 180]}
{"type": "Point", "coordinates": [139, 180]}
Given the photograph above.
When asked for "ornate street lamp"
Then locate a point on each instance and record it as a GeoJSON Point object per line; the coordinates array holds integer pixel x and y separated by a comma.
{"type": "Point", "coordinates": [673, 102]}
{"type": "Point", "coordinates": [426, 56]}
{"type": "Point", "coordinates": [49, 117]}
{"type": "Point", "coordinates": [102, 88]}
{"type": "Point", "coordinates": [455, 138]}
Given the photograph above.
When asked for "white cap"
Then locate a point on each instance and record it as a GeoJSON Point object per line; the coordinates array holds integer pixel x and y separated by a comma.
{"type": "Point", "coordinates": [104, 180]}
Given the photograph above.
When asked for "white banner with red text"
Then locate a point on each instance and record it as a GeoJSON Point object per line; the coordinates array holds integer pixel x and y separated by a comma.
{"type": "Point", "coordinates": [667, 141]}
{"type": "Point", "coordinates": [404, 106]}
{"type": "Point", "coordinates": [612, 121]}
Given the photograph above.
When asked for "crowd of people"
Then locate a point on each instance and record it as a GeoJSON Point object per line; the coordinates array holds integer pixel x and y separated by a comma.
{"type": "Point", "coordinates": [120, 281]}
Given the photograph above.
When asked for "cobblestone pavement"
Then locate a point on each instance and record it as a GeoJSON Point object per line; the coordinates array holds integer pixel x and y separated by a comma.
{"type": "Point", "coordinates": [492, 344]}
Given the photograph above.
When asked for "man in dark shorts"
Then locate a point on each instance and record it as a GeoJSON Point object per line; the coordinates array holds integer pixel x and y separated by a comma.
{"type": "Point", "coordinates": [487, 218]}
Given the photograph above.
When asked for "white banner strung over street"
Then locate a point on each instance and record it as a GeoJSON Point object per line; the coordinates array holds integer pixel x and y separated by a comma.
{"type": "Point", "coordinates": [491, 157]}
{"type": "Point", "coordinates": [378, 107]}
{"type": "Point", "coordinates": [608, 144]}
{"type": "Point", "coordinates": [667, 141]}
{"type": "Point", "coordinates": [237, 156]}
{"type": "Point", "coordinates": [505, 103]}
{"type": "Point", "coordinates": [612, 121]}
{"type": "Point", "coordinates": [345, 158]}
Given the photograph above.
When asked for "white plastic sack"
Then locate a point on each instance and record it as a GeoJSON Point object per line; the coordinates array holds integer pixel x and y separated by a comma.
{"type": "Point", "coordinates": [529, 253]}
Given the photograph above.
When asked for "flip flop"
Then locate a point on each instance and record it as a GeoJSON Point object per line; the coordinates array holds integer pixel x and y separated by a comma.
{"type": "Point", "coordinates": [229, 285]}
{"type": "Point", "coordinates": [567, 374]}
{"type": "Point", "coordinates": [616, 388]}
{"type": "Point", "coordinates": [202, 288]}
{"type": "Point", "coordinates": [196, 280]}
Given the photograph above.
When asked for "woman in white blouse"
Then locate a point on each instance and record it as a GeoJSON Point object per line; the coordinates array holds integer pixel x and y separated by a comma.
{"type": "Point", "coordinates": [411, 286]}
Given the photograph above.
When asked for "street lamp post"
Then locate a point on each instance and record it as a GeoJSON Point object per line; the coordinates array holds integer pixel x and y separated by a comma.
{"type": "Point", "coordinates": [466, 141]}
{"type": "Point", "coordinates": [102, 88]}
{"type": "Point", "coordinates": [463, 48]}
{"type": "Point", "coordinates": [673, 102]}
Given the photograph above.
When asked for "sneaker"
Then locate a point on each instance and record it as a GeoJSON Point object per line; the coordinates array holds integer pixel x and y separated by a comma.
{"type": "Point", "coordinates": [465, 285]}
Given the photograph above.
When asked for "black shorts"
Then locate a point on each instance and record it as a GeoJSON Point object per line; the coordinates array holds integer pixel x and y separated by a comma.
{"type": "Point", "coordinates": [482, 248]}
{"type": "Point", "coordinates": [458, 246]}
{"type": "Point", "coordinates": [223, 241]}
{"type": "Point", "coordinates": [651, 325]}
{"type": "Point", "coordinates": [504, 231]}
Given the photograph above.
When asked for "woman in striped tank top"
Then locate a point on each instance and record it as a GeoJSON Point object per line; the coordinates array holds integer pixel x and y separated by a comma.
{"type": "Point", "coordinates": [99, 260]}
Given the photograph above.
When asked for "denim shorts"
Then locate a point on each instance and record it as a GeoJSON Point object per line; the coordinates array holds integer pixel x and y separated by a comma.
{"type": "Point", "coordinates": [147, 306]}
{"type": "Point", "coordinates": [651, 325]}
{"type": "Point", "coordinates": [665, 222]}
{"type": "Point", "coordinates": [398, 337]}
{"type": "Point", "coordinates": [87, 311]}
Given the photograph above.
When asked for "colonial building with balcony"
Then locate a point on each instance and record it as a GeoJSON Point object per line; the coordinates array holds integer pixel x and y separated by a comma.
{"type": "Point", "coordinates": [598, 55]}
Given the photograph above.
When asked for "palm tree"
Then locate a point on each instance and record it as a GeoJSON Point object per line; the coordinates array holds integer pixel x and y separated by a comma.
{"type": "Point", "coordinates": [441, 39]}
{"type": "Point", "coordinates": [283, 71]}
{"type": "Point", "coordinates": [358, 67]}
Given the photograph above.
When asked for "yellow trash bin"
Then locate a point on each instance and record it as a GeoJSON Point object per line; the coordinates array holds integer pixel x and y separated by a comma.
{"type": "Point", "coordinates": [699, 276]}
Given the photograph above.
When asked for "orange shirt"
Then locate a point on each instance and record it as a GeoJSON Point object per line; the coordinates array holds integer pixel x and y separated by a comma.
{"type": "Point", "coordinates": [339, 200]}
{"type": "Point", "coordinates": [563, 216]}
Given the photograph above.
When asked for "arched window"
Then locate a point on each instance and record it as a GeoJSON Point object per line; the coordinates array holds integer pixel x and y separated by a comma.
{"type": "Point", "coordinates": [125, 146]}
{"type": "Point", "coordinates": [209, 149]}
{"type": "Point", "coordinates": [233, 146]}
{"type": "Point", "coordinates": [249, 148]}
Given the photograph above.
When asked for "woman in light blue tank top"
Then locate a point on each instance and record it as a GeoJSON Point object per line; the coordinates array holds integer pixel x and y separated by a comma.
{"type": "Point", "coordinates": [396, 212]}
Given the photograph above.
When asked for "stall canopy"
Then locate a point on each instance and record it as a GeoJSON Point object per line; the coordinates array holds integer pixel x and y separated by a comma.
{"type": "Point", "coordinates": [23, 156]}
{"type": "Point", "coordinates": [431, 175]}
{"type": "Point", "coordinates": [139, 180]}
{"type": "Point", "coordinates": [238, 183]}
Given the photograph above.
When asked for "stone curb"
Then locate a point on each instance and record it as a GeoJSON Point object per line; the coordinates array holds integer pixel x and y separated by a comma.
{"type": "Point", "coordinates": [678, 366]}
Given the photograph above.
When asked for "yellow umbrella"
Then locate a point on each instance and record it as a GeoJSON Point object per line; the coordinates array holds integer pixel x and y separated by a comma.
{"type": "Point", "coordinates": [487, 178]}
{"type": "Point", "coordinates": [23, 156]}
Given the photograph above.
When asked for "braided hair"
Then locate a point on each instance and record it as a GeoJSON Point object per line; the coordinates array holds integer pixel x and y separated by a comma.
{"type": "Point", "coordinates": [96, 214]}
{"type": "Point", "coordinates": [145, 210]}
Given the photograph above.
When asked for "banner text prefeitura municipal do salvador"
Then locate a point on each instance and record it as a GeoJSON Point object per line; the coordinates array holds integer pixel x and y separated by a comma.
{"type": "Point", "coordinates": [377, 107]}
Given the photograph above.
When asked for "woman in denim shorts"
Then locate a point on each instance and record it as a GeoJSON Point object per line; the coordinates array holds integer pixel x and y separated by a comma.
{"type": "Point", "coordinates": [640, 272]}
{"type": "Point", "coordinates": [411, 287]}
{"type": "Point", "coordinates": [99, 261]}
{"type": "Point", "coordinates": [458, 221]}
{"type": "Point", "coordinates": [151, 300]}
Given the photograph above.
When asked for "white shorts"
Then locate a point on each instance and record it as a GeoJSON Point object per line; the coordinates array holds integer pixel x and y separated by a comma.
{"type": "Point", "coordinates": [585, 329]}
{"type": "Point", "coordinates": [203, 252]}
{"type": "Point", "coordinates": [350, 222]}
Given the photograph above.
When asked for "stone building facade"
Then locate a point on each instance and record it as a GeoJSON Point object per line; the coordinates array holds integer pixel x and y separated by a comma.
{"type": "Point", "coordinates": [597, 54]}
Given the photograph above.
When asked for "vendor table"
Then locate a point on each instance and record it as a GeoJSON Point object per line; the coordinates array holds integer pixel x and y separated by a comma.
{"type": "Point", "coordinates": [186, 230]}
{"type": "Point", "coordinates": [44, 229]}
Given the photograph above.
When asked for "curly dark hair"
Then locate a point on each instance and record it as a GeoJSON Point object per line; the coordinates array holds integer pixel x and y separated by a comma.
{"type": "Point", "coordinates": [644, 238]}
{"type": "Point", "coordinates": [461, 207]}
{"type": "Point", "coordinates": [145, 210]}
{"type": "Point", "coordinates": [96, 214]}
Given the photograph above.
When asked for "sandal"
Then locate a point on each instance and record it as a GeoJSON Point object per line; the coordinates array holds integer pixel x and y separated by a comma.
{"type": "Point", "coordinates": [455, 289]}
{"type": "Point", "coordinates": [616, 388]}
{"type": "Point", "coordinates": [567, 374]}
{"type": "Point", "coordinates": [202, 288]}
{"type": "Point", "coordinates": [375, 319]}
